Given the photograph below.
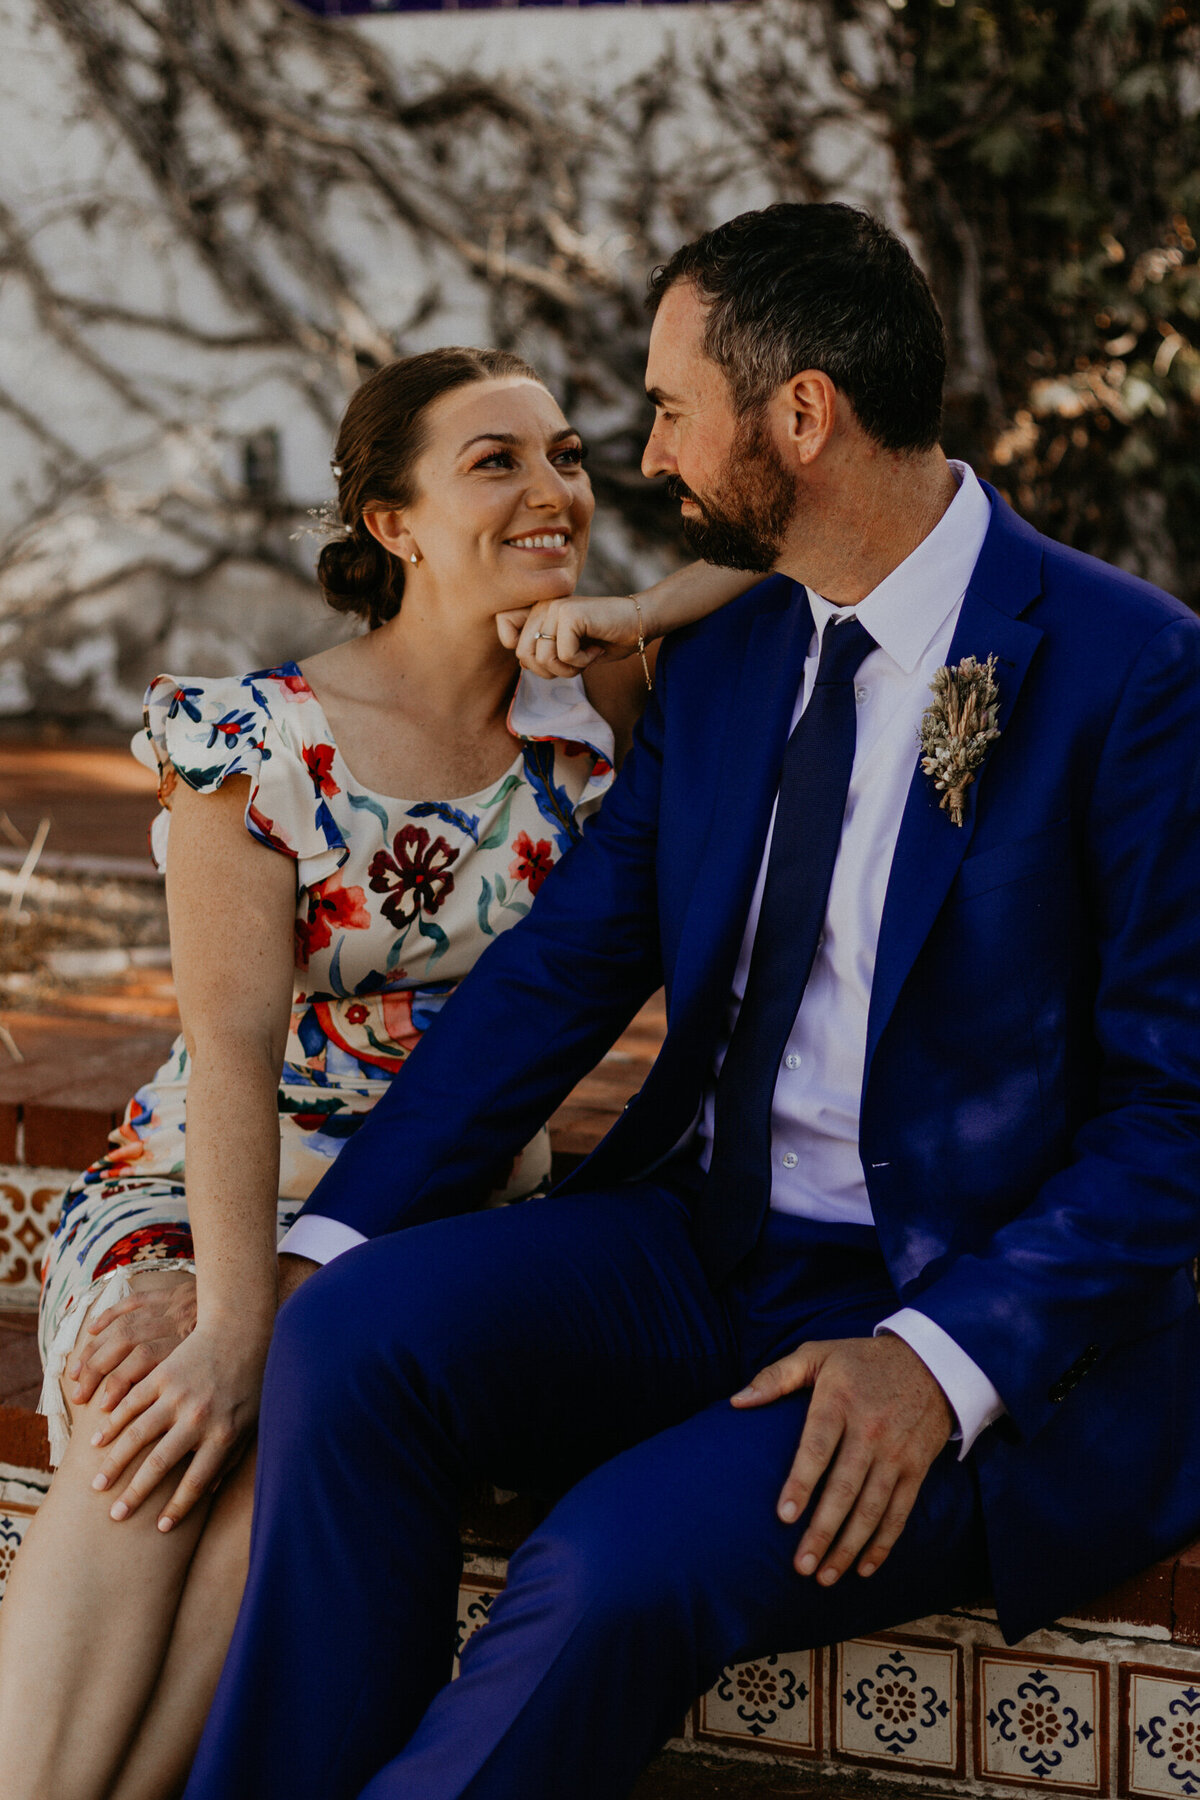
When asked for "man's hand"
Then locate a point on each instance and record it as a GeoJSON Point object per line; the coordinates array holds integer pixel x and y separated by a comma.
{"type": "Point", "coordinates": [876, 1422]}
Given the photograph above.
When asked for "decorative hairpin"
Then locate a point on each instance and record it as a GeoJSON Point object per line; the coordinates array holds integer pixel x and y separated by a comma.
{"type": "Point", "coordinates": [326, 523]}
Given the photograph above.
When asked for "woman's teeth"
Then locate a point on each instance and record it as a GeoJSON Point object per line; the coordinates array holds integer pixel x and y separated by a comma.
{"type": "Point", "coordinates": [550, 540]}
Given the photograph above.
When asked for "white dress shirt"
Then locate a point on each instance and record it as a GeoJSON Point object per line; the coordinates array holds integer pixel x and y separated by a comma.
{"type": "Point", "coordinates": [817, 1171]}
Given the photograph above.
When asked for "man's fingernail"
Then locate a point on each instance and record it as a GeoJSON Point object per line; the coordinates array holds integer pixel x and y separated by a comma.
{"type": "Point", "coordinates": [808, 1564]}
{"type": "Point", "coordinates": [867, 1569]}
{"type": "Point", "coordinates": [746, 1393]}
{"type": "Point", "coordinates": [827, 1577]}
{"type": "Point", "coordinates": [165, 1523]}
{"type": "Point", "coordinates": [100, 1482]}
{"type": "Point", "coordinates": [119, 1511]}
{"type": "Point", "coordinates": [788, 1511]}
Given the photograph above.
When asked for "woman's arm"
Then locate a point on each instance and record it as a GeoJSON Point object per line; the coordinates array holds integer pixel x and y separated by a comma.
{"type": "Point", "coordinates": [598, 636]}
{"type": "Point", "coordinates": [231, 903]}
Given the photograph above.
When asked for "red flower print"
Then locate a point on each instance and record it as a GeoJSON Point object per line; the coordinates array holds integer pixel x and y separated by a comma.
{"type": "Point", "coordinates": [264, 829]}
{"type": "Point", "coordinates": [318, 759]}
{"type": "Point", "coordinates": [357, 1014]}
{"type": "Point", "coordinates": [533, 862]}
{"type": "Point", "coordinates": [417, 878]}
{"type": "Point", "coordinates": [330, 905]}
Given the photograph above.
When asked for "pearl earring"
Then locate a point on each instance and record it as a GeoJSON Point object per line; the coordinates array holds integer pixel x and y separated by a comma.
{"type": "Point", "coordinates": [414, 558]}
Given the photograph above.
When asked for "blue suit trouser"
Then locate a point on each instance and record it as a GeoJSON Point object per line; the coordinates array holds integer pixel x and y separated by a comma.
{"type": "Point", "coordinates": [573, 1346]}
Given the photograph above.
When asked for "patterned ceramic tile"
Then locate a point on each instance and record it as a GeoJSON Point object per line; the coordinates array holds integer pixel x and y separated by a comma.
{"type": "Point", "coordinates": [21, 1493]}
{"type": "Point", "coordinates": [476, 1593]}
{"type": "Point", "coordinates": [1160, 1731]}
{"type": "Point", "coordinates": [29, 1203]}
{"type": "Point", "coordinates": [1041, 1723]}
{"type": "Point", "coordinates": [771, 1704]}
{"type": "Point", "coordinates": [898, 1701]}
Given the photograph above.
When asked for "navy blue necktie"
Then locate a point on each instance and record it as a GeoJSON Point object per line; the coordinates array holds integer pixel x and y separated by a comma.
{"type": "Point", "coordinates": [813, 786]}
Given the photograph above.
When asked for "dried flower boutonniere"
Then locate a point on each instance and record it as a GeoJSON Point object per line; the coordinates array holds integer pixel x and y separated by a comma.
{"type": "Point", "coordinates": [958, 728]}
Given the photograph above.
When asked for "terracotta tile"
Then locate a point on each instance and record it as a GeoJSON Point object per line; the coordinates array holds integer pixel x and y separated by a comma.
{"type": "Point", "coordinates": [10, 1117]}
{"type": "Point", "coordinates": [23, 1439]}
{"type": "Point", "coordinates": [66, 1137]}
{"type": "Point", "coordinates": [1186, 1620]}
{"type": "Point", "coordinates": [1145, 1599]}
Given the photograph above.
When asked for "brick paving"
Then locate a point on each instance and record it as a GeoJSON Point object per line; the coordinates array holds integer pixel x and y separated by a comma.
{"type": "Point", "coordinates": [98, 800]}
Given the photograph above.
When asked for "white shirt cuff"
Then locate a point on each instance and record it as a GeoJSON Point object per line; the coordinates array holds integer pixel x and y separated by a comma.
{"type": "Point", "coordinates": [319, 1239]}
{"type": "Point", "coordinates": [972, 1398]}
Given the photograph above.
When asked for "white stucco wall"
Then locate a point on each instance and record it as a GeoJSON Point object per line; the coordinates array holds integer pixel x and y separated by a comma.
{"type": "Point", "coordinates": [92, 215]}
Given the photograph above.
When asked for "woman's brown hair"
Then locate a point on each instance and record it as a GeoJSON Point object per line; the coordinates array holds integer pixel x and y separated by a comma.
{"type": "Point", "coordinates": [381, 436]}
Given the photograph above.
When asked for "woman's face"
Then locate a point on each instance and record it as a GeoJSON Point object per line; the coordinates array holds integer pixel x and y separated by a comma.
{"type": "Point", "coordinates": [503, 505]}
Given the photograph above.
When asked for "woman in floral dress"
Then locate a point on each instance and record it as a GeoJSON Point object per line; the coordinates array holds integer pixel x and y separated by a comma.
{"type": "Point", "coordinates": [318, 924]}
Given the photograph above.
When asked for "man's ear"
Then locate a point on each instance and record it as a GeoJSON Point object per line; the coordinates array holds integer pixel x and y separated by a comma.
{"type": "Point", "coordinates": [387, 527]}
{"type": "Point", "coordinates": [809, 404]}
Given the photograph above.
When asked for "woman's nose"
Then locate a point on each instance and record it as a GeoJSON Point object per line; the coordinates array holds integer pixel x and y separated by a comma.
{"type": "Point", "coordinates": [549, 488]}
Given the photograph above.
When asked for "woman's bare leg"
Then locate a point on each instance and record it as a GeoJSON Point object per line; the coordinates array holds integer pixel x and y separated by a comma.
{"type": "Point", "coordinates": [84, 1627]}
{"type": "Point", "coordinates": [156, 1766]}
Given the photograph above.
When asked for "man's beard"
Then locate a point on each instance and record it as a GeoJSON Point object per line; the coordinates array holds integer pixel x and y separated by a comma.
{"type": "Point", "coordinates": [744, 524]}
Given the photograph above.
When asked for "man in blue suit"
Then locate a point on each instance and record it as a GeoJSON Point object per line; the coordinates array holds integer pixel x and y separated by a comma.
{"type": "Point", "coordinates": [915, 1179]}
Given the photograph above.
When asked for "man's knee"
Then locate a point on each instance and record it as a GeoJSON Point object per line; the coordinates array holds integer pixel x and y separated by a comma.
{"type": "Point", "coordinates": [361, 1324]}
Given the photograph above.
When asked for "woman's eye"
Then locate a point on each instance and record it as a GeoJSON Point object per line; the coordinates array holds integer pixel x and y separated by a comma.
{"type": "Point", "coordinates": [496, 459]}
{"type": "Point", "coordinates": [574, 455]}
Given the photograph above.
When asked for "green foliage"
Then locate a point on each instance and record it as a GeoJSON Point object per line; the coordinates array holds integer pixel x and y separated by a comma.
{"type": "Point", "coordinates": [1050, 156]}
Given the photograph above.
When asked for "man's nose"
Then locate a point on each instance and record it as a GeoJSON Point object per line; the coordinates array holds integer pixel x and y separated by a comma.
{"type": "Point", "coordinates": [656, 457]}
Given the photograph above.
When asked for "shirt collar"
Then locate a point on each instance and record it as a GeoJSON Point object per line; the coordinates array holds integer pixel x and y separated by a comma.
{"type": "Point", "coordinates": [905, 612]}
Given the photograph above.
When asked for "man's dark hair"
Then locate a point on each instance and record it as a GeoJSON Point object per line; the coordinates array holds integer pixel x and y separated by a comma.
{"type": "Point", "coordinates": [820, 287]}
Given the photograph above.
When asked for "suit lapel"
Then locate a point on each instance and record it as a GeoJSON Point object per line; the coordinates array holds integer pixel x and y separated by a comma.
{"type": "Point", "coordinates": [930, 848]}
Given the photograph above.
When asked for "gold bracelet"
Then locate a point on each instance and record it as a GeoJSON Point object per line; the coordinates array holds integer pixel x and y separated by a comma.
{"type": "Point", "coordinates": [641, 645]}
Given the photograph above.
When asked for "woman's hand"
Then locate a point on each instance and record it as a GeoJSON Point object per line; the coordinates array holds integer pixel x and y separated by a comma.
{"type": "Point", "coordinates": [125, 1342]}
{"type": "Point", "coordinates": [563, 637]}
{"type": "Point", "coordinates": [200, 1402]}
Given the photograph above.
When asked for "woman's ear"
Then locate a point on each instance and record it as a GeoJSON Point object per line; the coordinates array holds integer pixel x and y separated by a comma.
{"type": "Point", "coordinates": [387, 527]}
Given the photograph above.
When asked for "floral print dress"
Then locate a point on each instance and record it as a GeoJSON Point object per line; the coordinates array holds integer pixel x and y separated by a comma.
{"type": "Point", "coordinates": [395, 901]}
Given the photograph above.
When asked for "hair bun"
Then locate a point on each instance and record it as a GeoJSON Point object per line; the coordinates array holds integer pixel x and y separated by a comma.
{"type": "Point", "coordinates": [357, 575]}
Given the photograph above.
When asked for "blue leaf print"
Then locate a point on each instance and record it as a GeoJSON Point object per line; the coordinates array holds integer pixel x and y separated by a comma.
{"type": "Point", "coordinates": [335, 972]}
{"type": "Point", "coordinates": [397, 949]}
{"type": "Point", "coordinates": [328, 824]}
{"type": "Point", "coordinates": [441, 943]}
{"type": "Point", "coordinates": [485, 903]}
{"type": "Point", "coordinates": [467, 823]}
{"type": "Point", "coordinates": [499, 832]}
{"type": "Point", "coordinates": [553, 802]}
{"type": "Point", "coordinates": [365, 803]}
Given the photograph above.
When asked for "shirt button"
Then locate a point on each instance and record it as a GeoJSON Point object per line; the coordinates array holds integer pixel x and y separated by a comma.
{"type": "Point", "coordinates": [790, 1159]}
{"type": "Point", "coordinates": [860, 693]}
{"type": "Point", "coordinates": [791, 1060]}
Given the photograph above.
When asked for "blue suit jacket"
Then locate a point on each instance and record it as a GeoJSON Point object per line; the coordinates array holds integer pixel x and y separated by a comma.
{"type": "Point", "coordinates": [1031, 1106]}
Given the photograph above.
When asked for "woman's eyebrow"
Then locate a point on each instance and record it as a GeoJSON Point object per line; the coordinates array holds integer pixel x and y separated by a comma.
{"type": "Point", "coordinates": [510, 437]}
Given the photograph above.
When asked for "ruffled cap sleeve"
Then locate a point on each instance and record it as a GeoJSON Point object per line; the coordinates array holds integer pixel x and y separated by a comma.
{"type": "Point", "coordinates": [205, 730]}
